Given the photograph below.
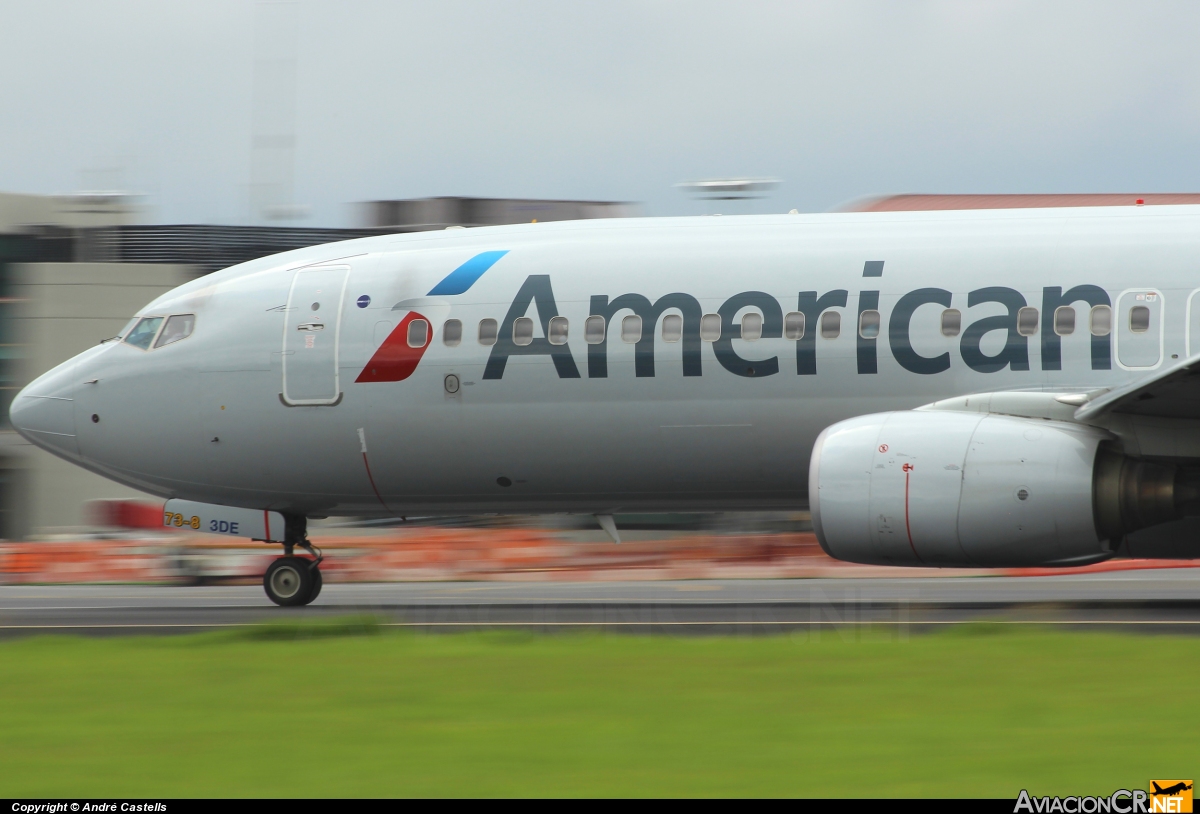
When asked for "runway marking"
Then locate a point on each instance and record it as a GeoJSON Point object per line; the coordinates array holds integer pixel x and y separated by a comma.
{"type": "Point", "coordinates": [441, 603]}
{"type": "Point", "coordinates": [726, 623]}
{"type": "Point", "coordinates": [1191, 577]}
{"type": "Point", "coordinates": [555, 600]}
{"type": "Point", "coordinates": [138, 607]}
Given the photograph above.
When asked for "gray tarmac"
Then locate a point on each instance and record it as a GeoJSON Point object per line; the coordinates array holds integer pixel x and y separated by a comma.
{"type": "Point", "coordinates": [1148, 600]}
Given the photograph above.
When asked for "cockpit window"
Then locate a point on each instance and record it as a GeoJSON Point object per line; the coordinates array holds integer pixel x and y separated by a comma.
{"type": "Point", "coordinates": [178, 327]}
{"type": "Point", "coordinates": [143, 333]}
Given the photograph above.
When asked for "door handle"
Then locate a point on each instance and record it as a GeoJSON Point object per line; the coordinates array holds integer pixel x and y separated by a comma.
{"type": "Point", "coordinates": [311, 326]}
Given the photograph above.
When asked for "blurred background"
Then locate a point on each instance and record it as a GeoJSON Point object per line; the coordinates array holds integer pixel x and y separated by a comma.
{"type": "Point", "coordinates": [144, 144]}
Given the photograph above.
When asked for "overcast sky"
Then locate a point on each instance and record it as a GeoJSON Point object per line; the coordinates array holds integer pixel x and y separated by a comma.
{"type": "Point", "coordinates": [603, 100]}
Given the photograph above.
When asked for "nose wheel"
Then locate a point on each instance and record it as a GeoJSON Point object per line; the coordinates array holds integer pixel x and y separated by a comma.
{"type": "Point", "coordinates": [290, 580]}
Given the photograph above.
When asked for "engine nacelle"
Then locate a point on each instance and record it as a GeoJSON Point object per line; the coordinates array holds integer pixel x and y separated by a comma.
{"type": "Point", "coordinates": [944, 488]}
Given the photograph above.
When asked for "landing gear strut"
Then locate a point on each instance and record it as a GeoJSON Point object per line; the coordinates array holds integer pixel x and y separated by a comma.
{"type": "Point", "coordinates": [292, 580]}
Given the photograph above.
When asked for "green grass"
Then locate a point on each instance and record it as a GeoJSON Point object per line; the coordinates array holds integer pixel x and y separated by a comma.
{"type": "Point", "coordinates": [348, 709]}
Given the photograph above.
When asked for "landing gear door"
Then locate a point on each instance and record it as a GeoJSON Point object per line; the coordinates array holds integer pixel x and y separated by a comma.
{"type": "Point", "coordinates": [311, 335]}
{"type": "Point", "coordinates": [1139, 329]}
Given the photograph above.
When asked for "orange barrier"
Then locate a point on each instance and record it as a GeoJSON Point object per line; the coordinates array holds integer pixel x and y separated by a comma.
{"type": "Point", "coordinates": [423, 554]}
{"type": "Point", "coordinates": [110, 561]}
{"type": "Point", "coordinates": [1102, 567]}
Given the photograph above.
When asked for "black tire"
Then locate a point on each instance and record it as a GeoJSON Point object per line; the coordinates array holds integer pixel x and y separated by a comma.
{"type": "Point", "coordinates": [289, 581]}
{"type": "Point", "coordinates": [318, 581]}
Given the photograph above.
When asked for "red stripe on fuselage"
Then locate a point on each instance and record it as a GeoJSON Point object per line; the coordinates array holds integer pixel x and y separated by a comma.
{"type": "Point", "coordinates": [395, 360]}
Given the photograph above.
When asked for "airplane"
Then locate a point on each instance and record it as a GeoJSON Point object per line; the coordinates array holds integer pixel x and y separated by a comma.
{"type": "Point", "coordinates": [972, 388]}
{"type": "Point", "coordinates": [1170, 791]}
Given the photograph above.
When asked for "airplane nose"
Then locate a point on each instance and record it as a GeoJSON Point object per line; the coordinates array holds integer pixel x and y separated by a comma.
{"type": "Point", "coordinates": [44, 412]}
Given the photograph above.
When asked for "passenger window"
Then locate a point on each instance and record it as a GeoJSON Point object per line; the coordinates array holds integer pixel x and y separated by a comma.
{"type": "Point", "coordinates": [488, 331]}
{"type": "Point", "coordinates": [793, 326]}
{"type": "Point", "coordinates": [1027, 321]}
{"type": "Point", "coordinates": [522, 331]}
{"type": "Point", "coordinates": [868, 324]}
{"type": "Point", "coordinates": [631, 329]}
{"type": "Point", "coordinates": [558, 331]}
{"type": "Point", "coordinates": [593, 330]}
{"type": "Point", "coordinates": [1139, 319]}
{"type": "Point", "coordinates": [178, 327]}
{"type": "Point", "coordinates": [951, 322]}
{"type": "Point", "coordinates": [143, 333]}
{"type": "Point", "coordinates": [831, 324]}
{"type": "Point", "coordinates": [672, 328]}
{"type": "Point", "coordinates": [710, 327]}
{"type": "Point", "coordinates": [752, 327]}
{"type": "Point", "coordinates": [452, 333]}
{"type": "Point", "coordinates": [1064, 320]}
{"type": "Point", "coordinates": [418, 333]}
{"type": "Point", "coordinates": [1100, 321]}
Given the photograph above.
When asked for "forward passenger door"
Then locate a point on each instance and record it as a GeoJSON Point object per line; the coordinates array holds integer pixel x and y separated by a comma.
{"type": "Point", "coordinates": [311, 336]}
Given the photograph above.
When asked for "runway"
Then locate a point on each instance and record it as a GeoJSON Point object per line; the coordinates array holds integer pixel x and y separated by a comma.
{"type": "Point", "coordinates": [1163, 599]}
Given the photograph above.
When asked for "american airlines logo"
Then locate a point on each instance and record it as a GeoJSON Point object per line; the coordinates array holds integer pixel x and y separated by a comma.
{"type": "Point", "coordinates": [764, 317]}
{"type": "Point", "coordinates": [397, 358]}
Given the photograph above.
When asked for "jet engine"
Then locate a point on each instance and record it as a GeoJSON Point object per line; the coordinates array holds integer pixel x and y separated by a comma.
{"type": "Point", "coordinates": [943, 488]}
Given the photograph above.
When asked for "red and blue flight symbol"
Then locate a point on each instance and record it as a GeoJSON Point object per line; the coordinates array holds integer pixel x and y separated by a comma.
{"type": "Point", "coordinates": [395, 360]}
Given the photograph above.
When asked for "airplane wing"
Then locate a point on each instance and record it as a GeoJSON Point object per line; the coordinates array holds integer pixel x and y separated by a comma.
{"type": "Point", "coordinates": [1155, 416]}
{"type": "Point", "coordinates": [1173, 392]}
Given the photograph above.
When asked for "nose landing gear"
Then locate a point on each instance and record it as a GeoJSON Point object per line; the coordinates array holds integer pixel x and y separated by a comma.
{"type": "Point", "coordinates": [292, 580]}
{"type": "Point", "coordinates": [289, 581]}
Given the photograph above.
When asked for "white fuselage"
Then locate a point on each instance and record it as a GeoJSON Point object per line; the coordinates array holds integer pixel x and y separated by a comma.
{"type": "Point", "coordinates": [617, 426]}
